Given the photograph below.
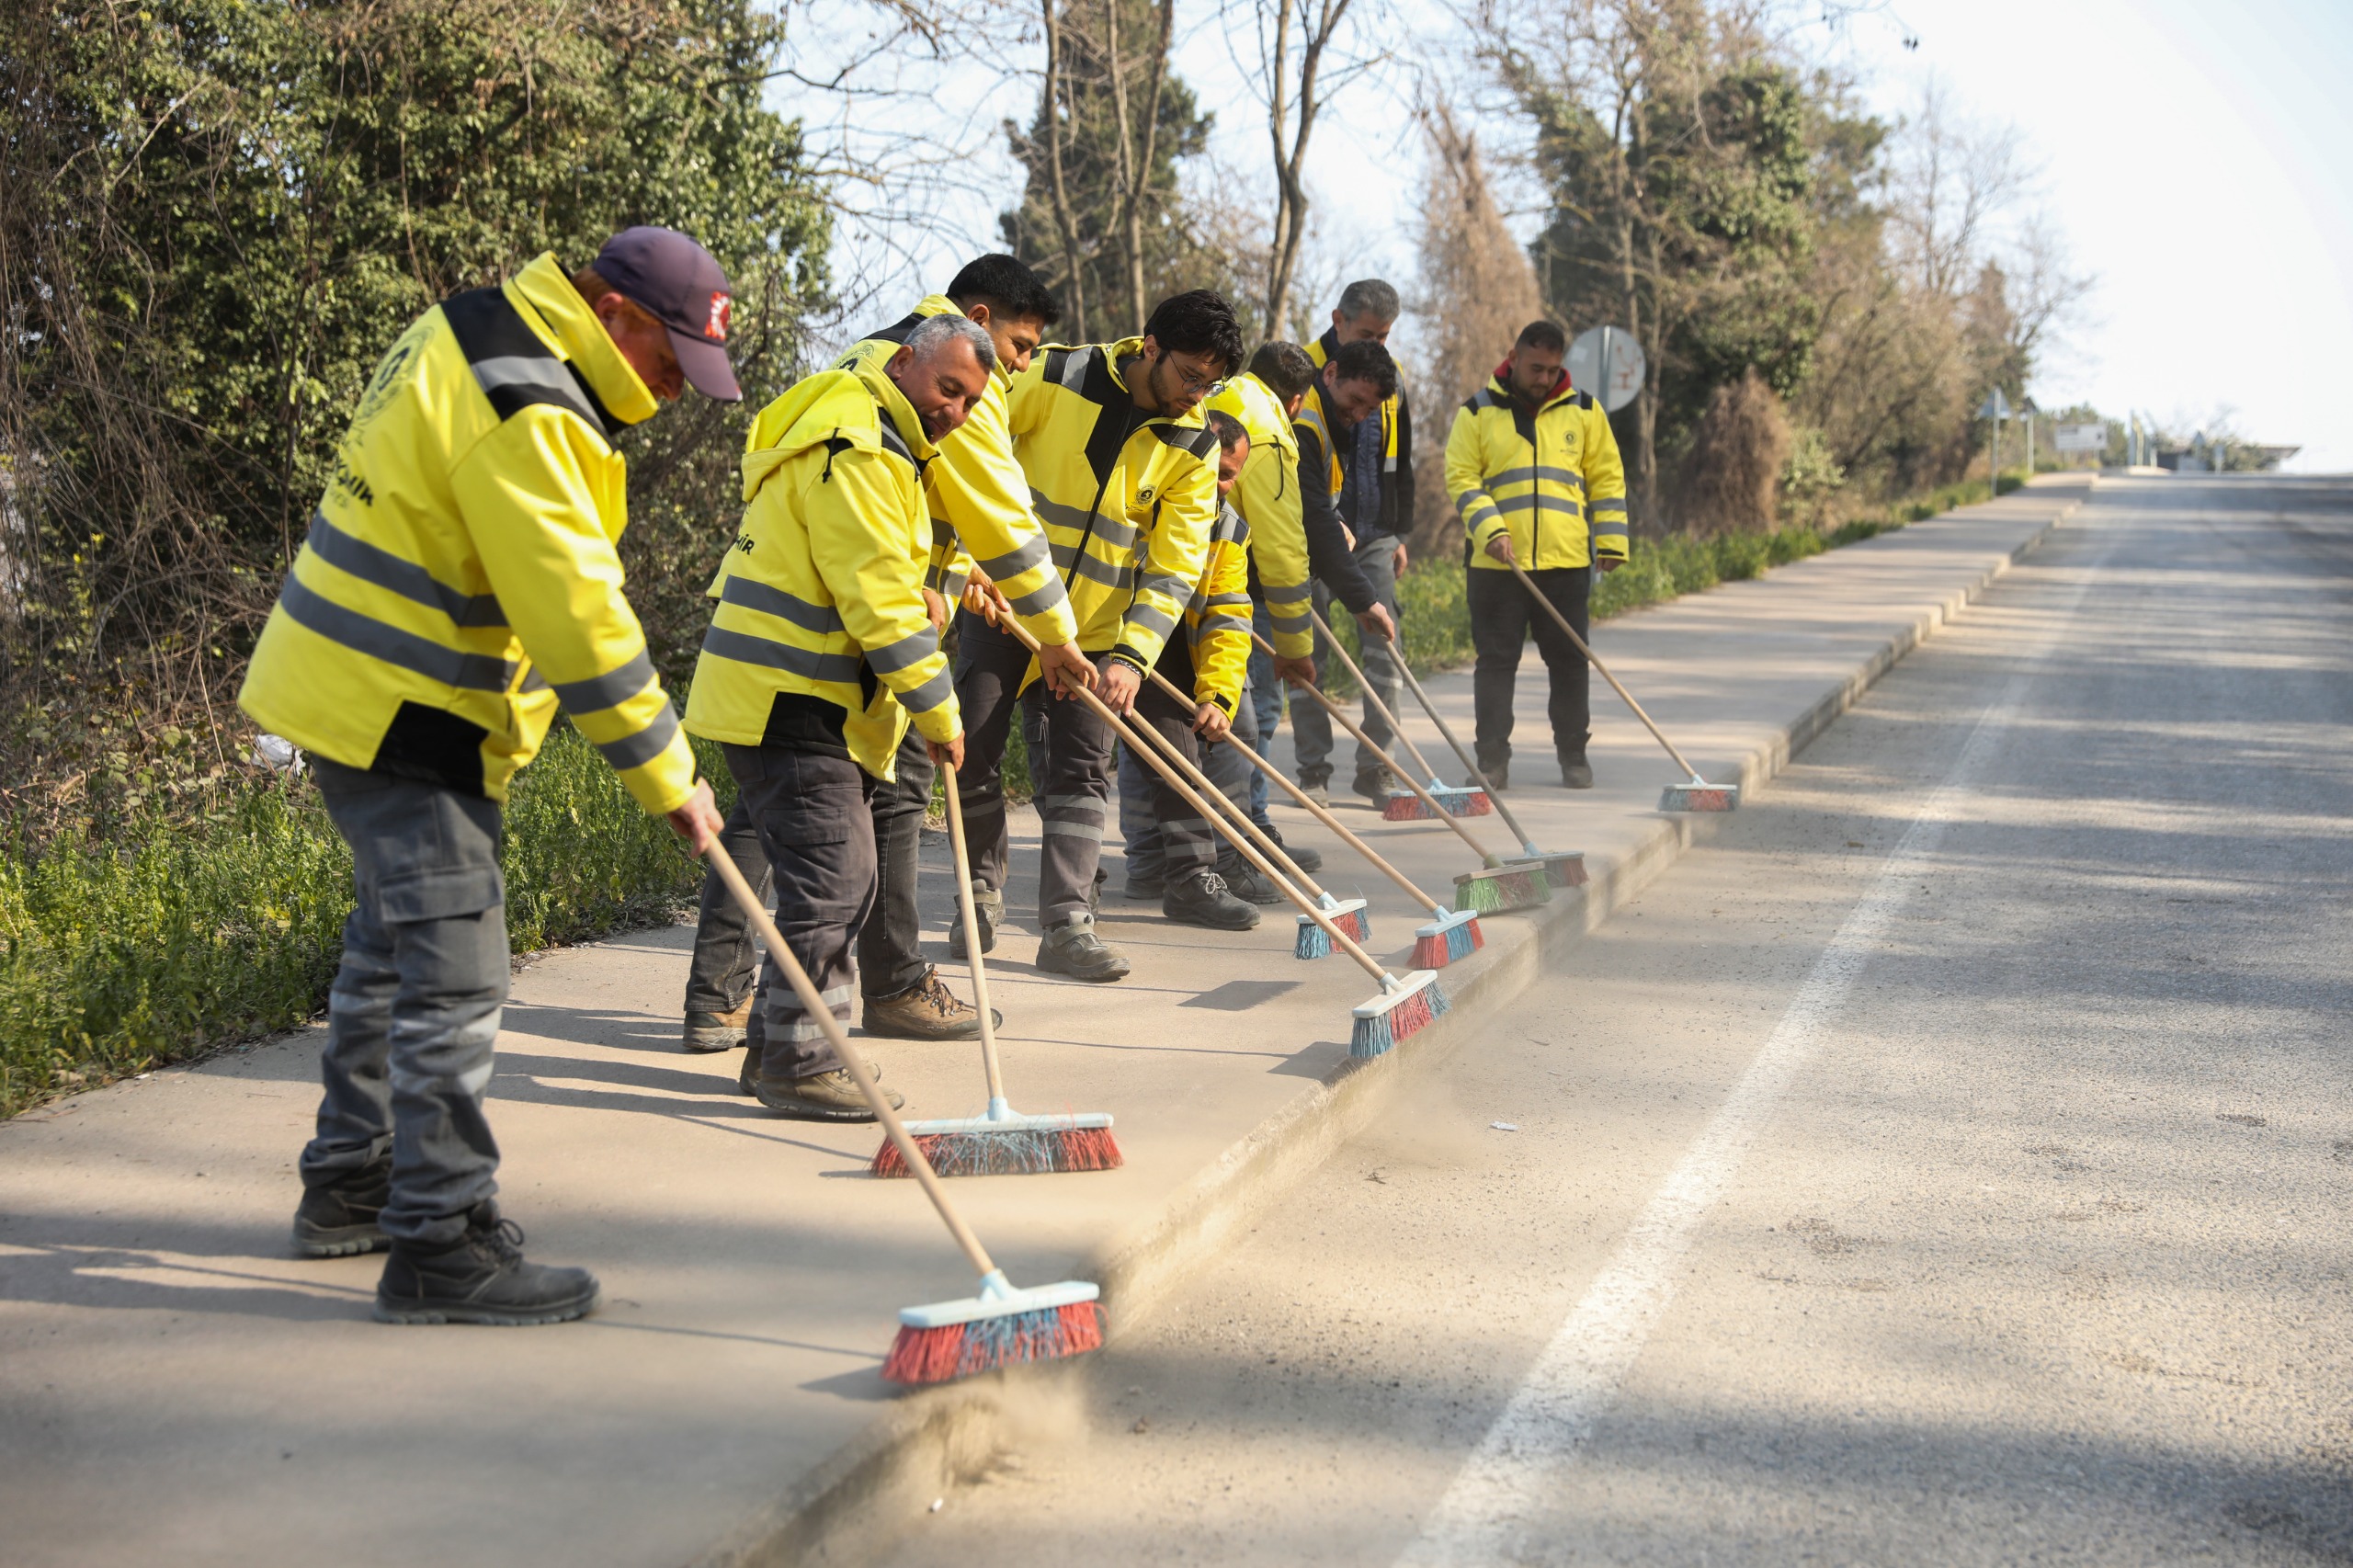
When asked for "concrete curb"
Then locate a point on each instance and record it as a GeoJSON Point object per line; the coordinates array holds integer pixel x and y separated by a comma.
{"type": "Point", "coordinates": [928, 1441]}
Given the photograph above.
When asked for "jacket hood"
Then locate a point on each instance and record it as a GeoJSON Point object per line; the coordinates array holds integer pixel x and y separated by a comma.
{"type": "Point", "coordinates": [832, 405]}
{"type": "Point", "coordinates": [543, 288]}
{"type": "Point", "coordinates": [1259, 410]}
{"type": "Point", "coordinates": [1500, 382]}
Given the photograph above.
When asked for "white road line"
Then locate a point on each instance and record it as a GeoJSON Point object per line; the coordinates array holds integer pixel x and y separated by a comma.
{"type": "Point", "coordinates": [1503, 1486]}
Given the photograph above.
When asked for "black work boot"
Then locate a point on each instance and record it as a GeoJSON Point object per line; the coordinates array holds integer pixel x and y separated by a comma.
{"type": "Point", "coordinates": [1575, 773]}
{"type": "Point", "coordinates": [1496, 770]}
{"type": "Point", "coordinates": [1316, 787]}
{"type": "Point", "coordinates": [479, 1277]}
{"type": "Point", "coordinates": [988, 911]}
{"type": "Point", "coordinates": [1201, 899]}
{"type": "Point", "coordinates": [1374, 786]}
{"type": "Point", "coordinates": [1244, 882]}
{"type": "Point", "coordinates": [1072, 948]}
{"type": "Point", "coordinates": [1306, 860]}
{"type": "Point", "coordinates": [337, 1219]}
{"type": "Point", "coordinates": [706, 1032]}
{"type": "Point", "coordinates": [926, 1010]}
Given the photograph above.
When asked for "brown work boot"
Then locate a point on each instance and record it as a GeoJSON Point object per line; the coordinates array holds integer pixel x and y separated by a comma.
{"type": "Point", "coordinates": [821, 1096]}
{"type": "Point", "coordinates": [926, 1010]}
{"type": "Point", "coordinates": [708, 1032]}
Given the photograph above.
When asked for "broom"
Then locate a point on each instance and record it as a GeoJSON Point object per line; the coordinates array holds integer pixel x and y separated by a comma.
{"type": "Point", "coordinates": [1503, 885]}
{"type": "Point", "coordinates": [1406, 1003]}
{"type": "Point", "coordinates": [1566, 868]}
{"type": "Point", "coordinates": [1698, 795]}
{"type": "Point", "coordinates": [1003, 1142]}
{"type": "Point", "coordinates": [1405, 805]}
{"type": "Point", "coordinates": [1453, 935]}
{"type": "Point", "coordinates": [1351, 914]}
{"type": "Point", "coordinates": [1003, 1325]}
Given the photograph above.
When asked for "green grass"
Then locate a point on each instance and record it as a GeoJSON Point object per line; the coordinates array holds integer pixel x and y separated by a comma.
{"type": "Point", "coordinates": [186, 935]}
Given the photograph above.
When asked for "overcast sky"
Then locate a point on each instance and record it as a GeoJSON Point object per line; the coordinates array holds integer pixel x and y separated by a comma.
{"type": "Point", "coordinates": [2195, 156]}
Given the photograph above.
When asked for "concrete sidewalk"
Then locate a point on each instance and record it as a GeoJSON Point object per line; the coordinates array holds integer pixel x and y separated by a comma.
{"type": "Point", "coordinates": [175, 1388]}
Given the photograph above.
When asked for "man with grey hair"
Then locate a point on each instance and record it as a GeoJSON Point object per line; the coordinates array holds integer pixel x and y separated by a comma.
{"type": "Point", "coordinates": [1375, 457]}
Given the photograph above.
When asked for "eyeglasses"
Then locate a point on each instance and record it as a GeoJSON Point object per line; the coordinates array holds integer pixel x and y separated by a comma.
{"type": "Point", "coordinates": [1191, 381]}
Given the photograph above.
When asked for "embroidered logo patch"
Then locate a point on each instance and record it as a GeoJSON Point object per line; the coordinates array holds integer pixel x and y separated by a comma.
{"type": "Point", "coordinates": [716, 328]}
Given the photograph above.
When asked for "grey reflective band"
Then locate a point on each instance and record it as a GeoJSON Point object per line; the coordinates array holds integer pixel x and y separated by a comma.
{"type": "Point", "coordinates": [381, 568]}
{"type": "Point", "coordinates": [1038, 600]}
{"type": "Point", "coordinates": [535, 378]}
{"type": "Point", "coordinates": [1064, 803]}
{"type": "Point", "coordinates": [838, 669]}
{"type": "Point", "coordinates": [1616, 504]}
{"type": "Point", "coordinates": [1529, 500]}
{"type": "Point", "coordinates": [607, 690]}
{"type": "Point", "coordinates": [532, 681]}
{"type": "Point", "coordinates": [1052, 828]}
{"type": "Point", "coordinates": [908, 651]}
{"type": "Point", "coordinates": [1068, 558]}
{"type": "Point", "coordinates": [1297, 594]}
{"type": "Point", "coordinates": [378, 640]}
{"type": "Point", "coordinates": [1291, 623]}
{"type": "Point", "coordinates": [1029, 553]}
{"type": "Point", "coordinates": [1151, 621]}
{"type": "Point", "coordinates": [936, 689]}
{"type": "Point", "coordinates": [1560, 475]}
{"type": "Point", "coordinates": [752, 594]}
{"type": "Point", "coordinates": [1520, 475]}
{"type": "Point", "coordinates": [1118, 532]}
{"type": "Point", "coordinates": [1218, 601]}
{"type": "Point", "coordinates": [637, 750]}
{"type": "Point", "coordinates": [1075, 367]}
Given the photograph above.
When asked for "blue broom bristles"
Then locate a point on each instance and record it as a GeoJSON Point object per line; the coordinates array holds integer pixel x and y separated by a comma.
{"type": "Point", "coordinates": [1312, 942]}
{"type": "Point", "coordinates": [1461, 801]}
{"type": "Point", "coordinates": [1380, 1025]}
{"type": "Point", "coordinates": [1447, 940]}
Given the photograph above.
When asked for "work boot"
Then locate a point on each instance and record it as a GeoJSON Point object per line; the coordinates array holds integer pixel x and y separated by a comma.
{"type": "Point", "coordinates": [706, 1032]}
{"type": "Point", "coordinates": [1072, 948]}
{"type": "Point", "coordinates": [1144, 883]}
{"type": "Point", "coordinates": [926, 1010]}
{"type": "Point", "coordinates": [1374, 786]}
{"type": "Point", "coordinates": [1317, 789]}
{"type": "Point", "coordinates": [822, 1096]}
{"type": "Point", "coordinates": [748, 1077]}
{"type": "Point", "coordinates": [988, 908]}
{"type": "Point", "coordinates": [1244, 882]}
{"type": "Point", "coordinates": [1575, 774]}
{"type": "Point", "coordinates": [479, 1277]}
{"type": "Point", "coordinates": [337, 1218]}
{"type": "Point", "coordinates": [1306, 860]}
{"type": "Point", "coordinates": [1201, 899]}
{"type": "Point", "coordinates": [1497, 772]}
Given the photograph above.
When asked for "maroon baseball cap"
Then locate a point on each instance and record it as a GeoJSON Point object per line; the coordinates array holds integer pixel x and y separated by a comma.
{"type": "Point", "coordinates": [679, 284]}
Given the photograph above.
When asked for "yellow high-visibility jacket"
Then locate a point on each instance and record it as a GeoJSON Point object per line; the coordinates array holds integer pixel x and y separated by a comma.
{"type": "Point", "coordinates": [822, 592]}
{"type": "Point", "coordinates": [1127, 498]}
{"type": "Point", "coordinates": [1552, 477]}
{"type": "Point", "coordinates": [1218, 617]}
{"type": "Point", "coordinates": [459, 580]}
{"type": "Point", "coordinates": [1267, 496]}
{"type": "Point", "coordinates": [979, 502]}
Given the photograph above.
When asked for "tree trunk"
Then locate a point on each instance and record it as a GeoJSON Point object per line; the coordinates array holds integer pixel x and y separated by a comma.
{"type": "Point", "coordinates": [1062, 219]}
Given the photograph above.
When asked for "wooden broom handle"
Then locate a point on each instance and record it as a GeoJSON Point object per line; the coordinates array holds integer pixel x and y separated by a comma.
{"type": "Point", "coordinates": [1319, 813]}
{"type": "Point", "coordinates": [1595, 659]}
{"type": "Point", "coordinates": [1372, 697]}
{"type": "Point", "coordinates": [1240, 814]}
{"type": "Point", "coordinates": [855, 1064]}
{"type": "Point", "coordinates": [971, 930]}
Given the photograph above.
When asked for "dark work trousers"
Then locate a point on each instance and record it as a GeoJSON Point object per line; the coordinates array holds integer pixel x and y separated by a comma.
{"type": "Point", "coordinates": [889, 949]}
{"type": "Point", "coordinates": [1266, 703]}
{"type": "Point", "coordinates": [1501, 618]}
{"type": "Point", "coordinates": [413, 1011]}
{"type": "Point", "coordinates": [1165, 837]}
{"type": "Point", "coordinates": [1072, 781]}
{"type": "Point", "coordinates": [1310, 726]}
{"type": "Point", "coordinates": [1139, 821]}
{"type": "Point", "coordinates": [816, 825]}
{"type": "Point", "coordinates": [726, 956]}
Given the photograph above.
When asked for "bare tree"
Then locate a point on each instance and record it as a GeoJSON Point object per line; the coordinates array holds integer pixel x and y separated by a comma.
{"type": "Point", "coordinates": [1136, 163]}
{"type": "Point", "coordinates": [1057, 96]}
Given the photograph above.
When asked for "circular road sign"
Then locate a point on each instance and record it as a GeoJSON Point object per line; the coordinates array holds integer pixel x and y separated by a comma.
{"type": "Point", "coordinates": [1606, 362]}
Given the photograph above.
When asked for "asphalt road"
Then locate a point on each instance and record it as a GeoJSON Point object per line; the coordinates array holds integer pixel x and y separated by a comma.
{"type": "Point", "coordinates": [1945, 1164]}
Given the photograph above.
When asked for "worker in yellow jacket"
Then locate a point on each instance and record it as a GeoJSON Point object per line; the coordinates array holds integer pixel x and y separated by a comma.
{"type": "Point", "coordinates": [988, 548]}
{"type": "Point", "coordinates": [1533, 471]}
{"type": "Point", "coordinates": [1122, 472]}
{"type": "Point", "coordinates": [819, 654]}
{"type": "Point", "coordinates": [1172, 850]}
{"type": "Point", "coordinates": [459, 584]}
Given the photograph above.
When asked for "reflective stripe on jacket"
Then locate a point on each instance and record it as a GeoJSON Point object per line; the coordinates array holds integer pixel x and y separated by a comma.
{"type": "Point", "coordinates": [1546, 475]}
{"type": "Point", "coordinates": [1267, 496]}
{"type": "Point", "coordinates": [1218, 618]}
{"type": "Point", "coordinates": [978, 500]}
{"type": "Point", "coordinates": [459, 580]}
{"type": "Point", "coordinates": [1127, 498]}
{"type": "Point", "coordinates": [822, 592]}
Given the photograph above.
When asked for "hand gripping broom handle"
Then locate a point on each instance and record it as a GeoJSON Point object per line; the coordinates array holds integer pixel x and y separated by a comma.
{"type": "Point", "coordinates": [1341, 719]}
{"type": "Point", "coordinates": [1397, 657]}
{"type": "Point", "coordinates": [1340, 939]}
{"type": "Point", "coordinates": [971, 932]}
{"type": "Point", "coordinates": [1320, 814]}
{"type": "Point", "coordinates": [1219, 798]}
{"type": "Point", "coordinates": [1374, 698]}
{"type": "Point", "coordinates": [1595, 659]}
{"type": "Point", "coordinates": [814, 1005]}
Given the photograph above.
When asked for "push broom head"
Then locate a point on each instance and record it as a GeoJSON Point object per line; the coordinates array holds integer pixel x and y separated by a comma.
{"type": "Point", "coordinates": [1002, 1326]}
{"type": "Point", "coordinates": [1699, 796]}
{"type": "Point", "coordinates": [1350, 915]}
{"type": "Point", "coordinates": [1006, 1143]}
{"type": "Point", "coordinates": [1405, 1007]}
{"type": "Point", "coordinates": [1498, 890]}
{"type": "Point", "coordinates": [1446, 938]}
{"type": "Point", "coordinates": [1564, 869]}
{"type": "Point", "coordinates": [1403, 805]}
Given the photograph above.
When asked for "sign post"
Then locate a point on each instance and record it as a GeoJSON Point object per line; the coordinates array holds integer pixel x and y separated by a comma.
{"type": "Point", "coordinates": [1993, 410]}
{"type": "Point", "coordinates": [1608, 363]}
